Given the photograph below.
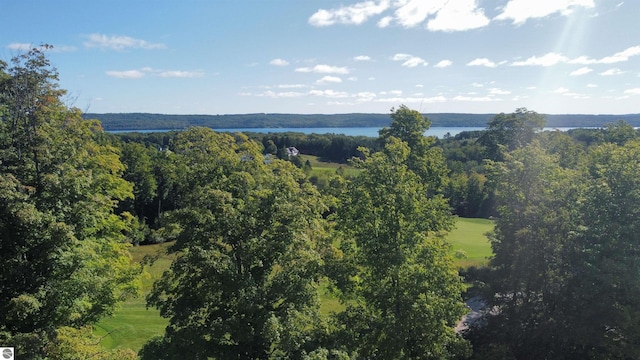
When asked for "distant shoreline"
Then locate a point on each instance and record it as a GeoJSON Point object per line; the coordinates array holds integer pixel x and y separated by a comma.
{"type": "Point", "coordinates": [147, 121]}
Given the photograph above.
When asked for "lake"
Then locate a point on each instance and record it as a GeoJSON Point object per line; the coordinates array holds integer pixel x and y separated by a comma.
{"type": "Point", "coordinates": [438, 132]}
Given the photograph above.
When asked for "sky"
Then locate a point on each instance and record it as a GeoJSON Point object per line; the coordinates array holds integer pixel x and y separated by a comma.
{"type": "Point", "coordinates": [328, 57]}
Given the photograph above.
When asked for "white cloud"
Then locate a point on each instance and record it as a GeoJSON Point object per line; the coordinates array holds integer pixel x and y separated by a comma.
{"type": "Point", "coordinates": [127, 74]}
{"type": "Point", "coordinates": [283, 94]}
{"type": "Point", "coordinates": [329, 93]}
{"type": "Point", "coordinates": [635, 91]}
{"type": "Point", "coordinates": [614, 71]}
{"type": "Point", "coordinates": [413, 12]}
{"type": "Point", "coordinates": [409, 60]}
{"type": "Point", "coordinates": [582, 71]}
{"type": "Point", "coordinates": [482, 62]}
{"type": "Point", "coordinates": [385, 21]}
{"type": "Point", "coordinates": [351, 15]}
{"type": "Point", "coordinates": [362, 58]}
{"type": "Point", "coordinates": [279, 62]}
{"type": "Point", "coordinates": [137, 74]}
{"type": "Point", "coordinates": [475, 99]}
{"type": "Point", "coordinates": [324, 69]}
{"type": "Point", "coordinates": [328, 79]}
{"type": "Point", "coordinates": [458, 16]}
{"type": "Point", "coordinates": [444, 64]}
{"type": "Point", "coordinates": [621, 56]}
{"type": "Point", "coordinates": [478, 85]}
{"type": "Point", "coordinates": [592, 85]}
{"type": "Point", "coordinates": [292, 86]}
{"type": "Point", "coordinates": [496, 91]}
{"type": "Point", "coordinates": [521, 10]}
{"type": "Point", "coordinates": [561, 90]}
{"type": "Point", "coordinates": [181, 74]}
{"type": "Point", "coordinates": [407, 100]}
{"type": "Point", "coordinates": [20, 46]}
{"type": "Point", "coordinates": [545, 60]}
{"type": "Point", "coordinates": [118, 42]}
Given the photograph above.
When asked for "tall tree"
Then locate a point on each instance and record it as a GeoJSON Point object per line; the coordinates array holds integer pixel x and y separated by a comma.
{"type": "Point", "coordinates": [507, 132]}
{"type": "Point", "coordinates": [243, 285]}
{"type": "Point", "coordinates": [65, 261]}
{"type": "Point", "coordinates": [401, 291]}
{"type": "Point", "coordinates": [531, 232]}
{"type": "Point", "coordinates": [424, 159]}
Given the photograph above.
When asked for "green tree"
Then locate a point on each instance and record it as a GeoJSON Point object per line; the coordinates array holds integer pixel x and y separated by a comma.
{"type": "Point", "coordinates": [243, 285]}
{"type": "Point", "coordinates": [565, 271]}
{"type": "Point", "coordinates": [507, 132]}
{"type": "Point", "coordinates": [528, 270]}
{"type": "Point", "coordinates": [65, 258]}
{"type": "Point", "coordinates": [424, 159]}
{"type": "Point", "coordinates": [139, 171]}
{"type": "Point", "coordinates": [400, 288]}
{"type": "Point", "coordinates": [603, 256]}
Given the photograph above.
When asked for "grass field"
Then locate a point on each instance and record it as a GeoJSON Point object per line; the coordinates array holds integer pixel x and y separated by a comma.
{"type": "Point", "coordinates": [133, 324]}
{"type": "Point", "coordinates": [322, 166]}
{"type": "Point", "coordinates": [469, 237]}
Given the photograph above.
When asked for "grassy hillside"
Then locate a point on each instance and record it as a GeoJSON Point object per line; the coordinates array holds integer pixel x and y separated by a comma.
{"type": "Point", "coordinates": [134, 324]}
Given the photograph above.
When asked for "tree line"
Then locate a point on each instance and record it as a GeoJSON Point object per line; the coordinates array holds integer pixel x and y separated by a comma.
{"type": "Point", "coordinates": [146, 121]}
{"type": "Point", "coordinates": [254, 237]}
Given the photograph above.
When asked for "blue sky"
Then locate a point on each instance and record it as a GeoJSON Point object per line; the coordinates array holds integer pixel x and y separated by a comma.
{"type": "Point", "coordinates": [326, 56]}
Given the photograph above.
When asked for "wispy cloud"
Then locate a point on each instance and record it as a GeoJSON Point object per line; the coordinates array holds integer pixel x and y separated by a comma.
{"type": "Point", "coordinates": [496, 91]}
{"type": "Point", "coordinates": [549, 59]}
{"type": "Point", "coordinates": [552, 58]}
{"type": "Point", "coordinates": [439, 15]}
{"type": "Point", "coordinates": [444, 64]}
{"type": "Point", "coordinates": [127, 74]}
{"type": "Point", "coordinates": [635, 91]}
{"type": "Point", "coordinates": [279, 62]}
{"type": "Point", "coordinates": [324, 69]}
{"type": "Point", "coordinates": [482, 62]}
{"type": "Point", "coordinates": [140, 73]}
{"type": "Point", "coordinates": [582, 71]}
{"type": "Point", "coordinates": [476, 98]}
{"type": "Point", "coordinates": [351, 15]}
{"type": "Point", "coordinates": [20, 46]}
{"type": "Point", "coordinates": [119, 42]}
{"type": "Point", "coordinates": [409, 60]}
{"type": "Point", "coordinates": [181, 74]}
{"type": "Point", "coordinates": [328, 80]}
{"type": "Point", "coordinates": [614, 71]}
{"type": "Point", "coordinates": [522, 10]}
{"type": "Point", "coordinates": [362, 58]}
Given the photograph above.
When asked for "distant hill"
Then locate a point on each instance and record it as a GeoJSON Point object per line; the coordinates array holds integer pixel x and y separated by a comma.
{"type": "Point", "coordinates": [146, 121]}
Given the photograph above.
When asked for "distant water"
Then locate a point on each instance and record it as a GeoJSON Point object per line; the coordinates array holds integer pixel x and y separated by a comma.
{"type": "Point", "coordinates": [439, 132]}
{"type": "Point", "coordinates": [349, 131]}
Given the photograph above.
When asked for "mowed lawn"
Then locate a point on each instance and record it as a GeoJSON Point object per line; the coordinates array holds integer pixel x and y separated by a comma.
{"type": "Point", "coordinates": [133, 324]}
{"type": "Point", "coordinates": [469, 237]}
{"type": "Point", "coordinates": [319, 166]}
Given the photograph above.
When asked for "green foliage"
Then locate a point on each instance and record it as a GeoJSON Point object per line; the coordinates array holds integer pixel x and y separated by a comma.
{"type": "Point", "coordinates": [65, 259]}
{"type": "Point", "coordinates": [401, 291]}
{"type": "Point", "coordinates": [507, 132]}
{"type": "Point", "coordinates": [243, 284]}
{"type": "Point", "coordinates": [565, 270]}
{"type": "Point", "coordinates": [423, 158]}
